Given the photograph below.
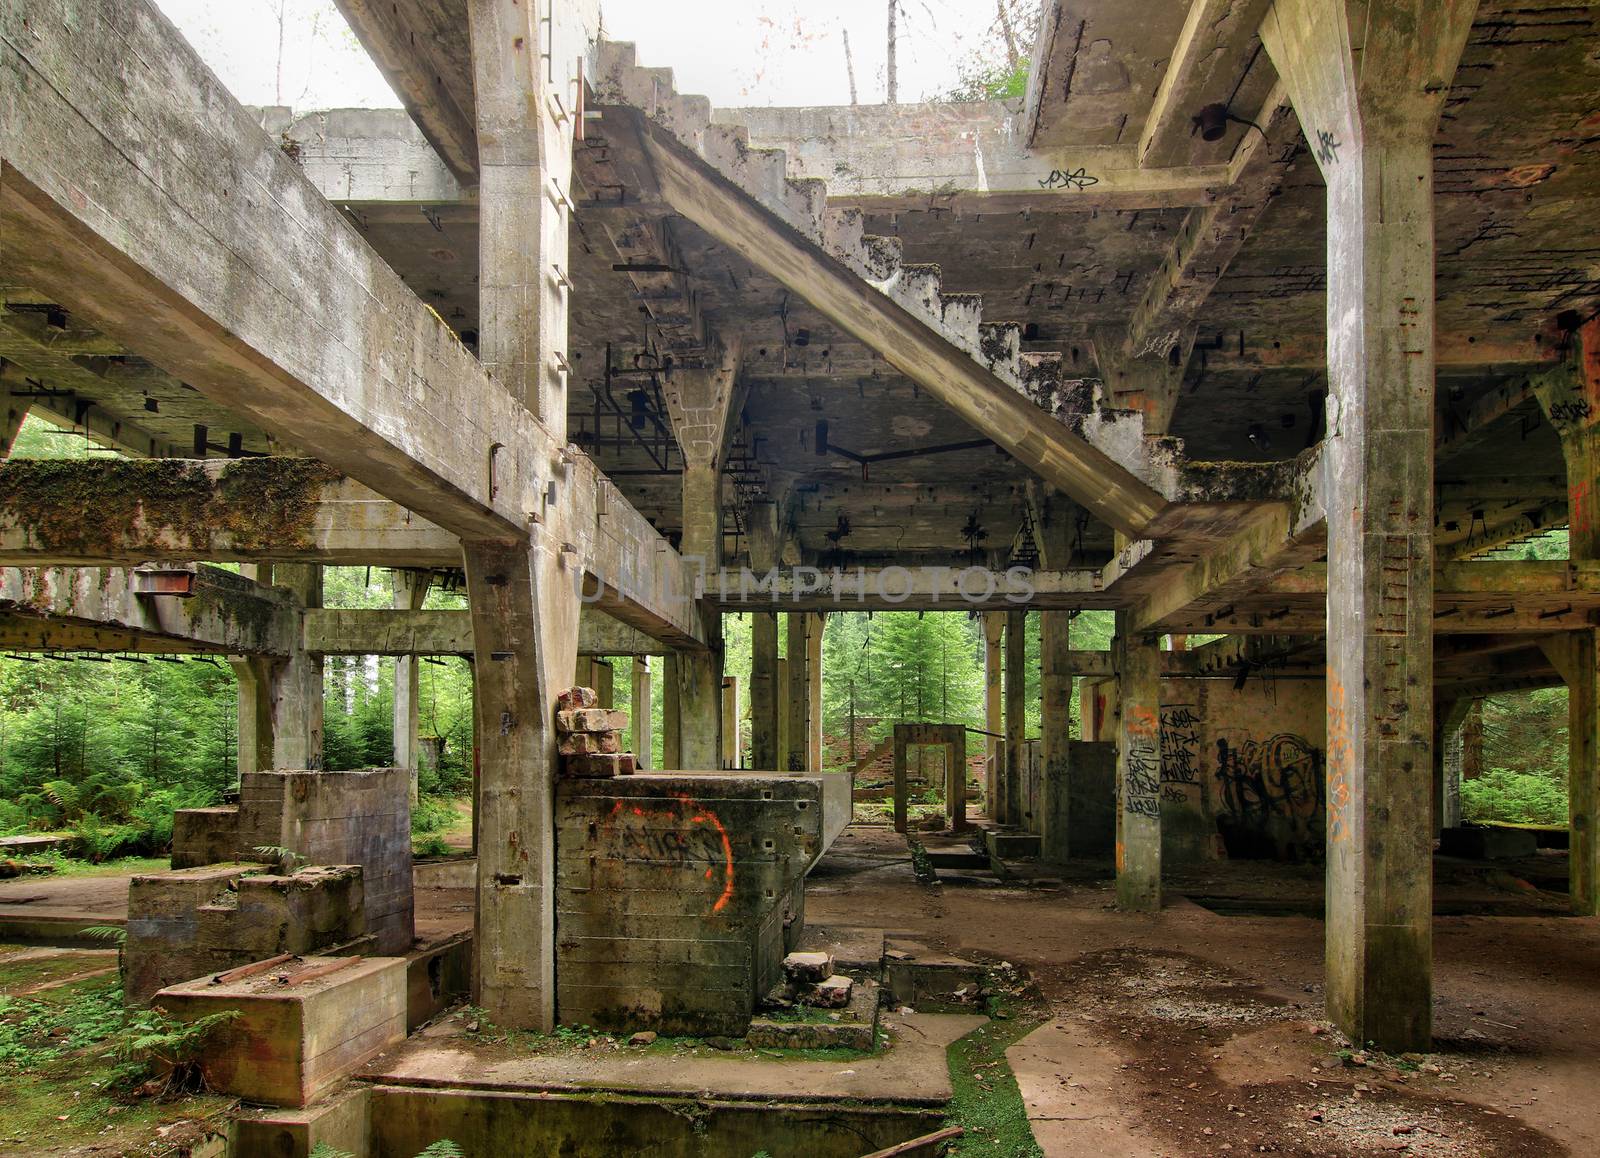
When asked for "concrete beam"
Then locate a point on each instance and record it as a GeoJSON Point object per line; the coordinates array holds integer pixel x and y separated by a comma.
{"type": "Point", "coordinates": [108, 512]}
{"type": "Point", "coordinates": [968, 156]}
{"type": "Point", "coordinates": [697, 191]}
{"type": "Point", "coordinates": [114, 609]}
{"type": "Point", "coordinates": [347, 631]}
{"type": "Point", "coordinates": [906, 589]}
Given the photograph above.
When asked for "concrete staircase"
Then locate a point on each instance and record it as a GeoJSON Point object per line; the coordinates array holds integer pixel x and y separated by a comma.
{"type": "Point", "coordinates": [802, 204]}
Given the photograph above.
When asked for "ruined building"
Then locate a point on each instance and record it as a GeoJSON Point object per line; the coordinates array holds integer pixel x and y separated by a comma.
{"type": "Point", "coordinates": [1266, 321]}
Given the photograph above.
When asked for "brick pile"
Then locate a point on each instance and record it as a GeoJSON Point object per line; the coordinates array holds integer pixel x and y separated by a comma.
{"type": "Point", "coordinates": [590, 737]}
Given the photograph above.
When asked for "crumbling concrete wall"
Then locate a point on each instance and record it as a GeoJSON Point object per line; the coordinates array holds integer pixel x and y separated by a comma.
{"type": "Point", "coordinates": [1242, 769]}
{"type": "Point", "coordinates": [360, 817]}
{"type": "Point", "coordinates": [200, 921]}
{"type": "Point", "coordinates": [674, 894]}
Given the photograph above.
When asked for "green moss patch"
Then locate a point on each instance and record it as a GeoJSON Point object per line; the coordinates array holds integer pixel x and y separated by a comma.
{"type": "Point", "coordinates": [986, 1101]}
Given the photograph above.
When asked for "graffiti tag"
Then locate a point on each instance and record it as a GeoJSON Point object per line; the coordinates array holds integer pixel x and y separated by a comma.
{"type": "Point", "coordinates": [683, 837]}
{"type": "Point", "coordinates": [1069, 179]}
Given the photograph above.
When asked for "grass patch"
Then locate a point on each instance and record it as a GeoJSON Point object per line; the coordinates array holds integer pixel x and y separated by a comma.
{"type": "Point", "coordinates": [66, 866]}
{"type": "Point", "coordinates": [986, 1101]}
{"type": "Point", "coordinates": [69, 1054]}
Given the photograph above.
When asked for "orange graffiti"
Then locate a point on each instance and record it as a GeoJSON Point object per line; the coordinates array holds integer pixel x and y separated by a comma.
{"type": "Point", "coordinates": [1122, 856]}
{"type": "Point", "coordinates": [694, 836]}
{"type": "Point", "coordinates": [1580, 507]}
{"type": "Point", "coordinates": [1340, 752]}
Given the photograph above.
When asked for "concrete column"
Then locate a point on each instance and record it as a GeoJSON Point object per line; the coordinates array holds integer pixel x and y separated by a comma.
{"type": "Point", "coordinates": [993, 717]}
{"type": "Point", "coordinates": [410, 590]}
{"type": "Point", "coordinates": [1138, 665]}
{"type": "Point", "coordinates": [1574, 655]}
{"type": "Point", "coordinates": [605, 682]}
{"type": "Point", "coordinates": [702, 515]}
{"type": "Point", "coordinates": [642, 739]}
{"type": "Point", "coordinates": [814, 626]}
{"type": "Point", "coordinates": [1055, 693]}
{"type": "Point", "coordinates": [732, 733]}
{"type": "Point", "coordinates": [1370, 122]}
{"type": "Point", "coordinates": [797, 758]}
{"type": "Point", "coordinates": [255, 712]}
{"type": "Point", "coordinates": [699, 710]}
{"type": "Point", "coordinates": [1448, 716]}
{"type": "Point", "coordinates": [671, 716]}
{"type": "Point", "coordinates": [783, 713]}
{"type": "Point", "coordinates": [1472, 743]}
{"type": "Point", "coordinates": [1009, 791]}
{"type": "Point", "coordinates": [295, 696]}
{"type": "Point", "coordinates": [525, 643]}
{"type": "Point", "coordinates": [764, 702]}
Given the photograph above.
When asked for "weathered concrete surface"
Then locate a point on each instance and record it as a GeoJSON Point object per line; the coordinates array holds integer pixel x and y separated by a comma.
{"type": "Point", "coordinates": [196, 922]}
{"type": "Point", "coordinates": [1008, 803]}
{"type": "Point", "coordinates": [952, 740]}
{"type": "Point", "coordinates": [1369, 99]}
{"type": "Point", "coordinates": [293, 1041]}
{"type": "Point", "coordinates": [672, 896]}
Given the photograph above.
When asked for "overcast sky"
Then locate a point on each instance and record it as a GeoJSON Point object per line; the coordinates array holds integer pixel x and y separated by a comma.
{"type": "Point", "coordinates": [737, 52]}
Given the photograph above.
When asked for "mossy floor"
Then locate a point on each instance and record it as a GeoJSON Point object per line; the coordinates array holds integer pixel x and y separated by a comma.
{"type": "Point", "coordinates": [987, 1103]}
{"type": "Point", "coordinates": [57, 1012]}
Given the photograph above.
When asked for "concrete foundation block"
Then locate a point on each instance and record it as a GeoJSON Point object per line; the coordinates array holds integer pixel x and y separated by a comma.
{"type": "Point", "coordinates": [339, 1121]}
{"type": "Point", "coordinates": [834, 993]}
{"type": "Point", "coordinates": [292, 1042]}
{"type": "Point", "coordinates": [808, 967]}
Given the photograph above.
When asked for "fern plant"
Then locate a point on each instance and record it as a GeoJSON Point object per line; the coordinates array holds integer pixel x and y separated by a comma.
{"type": "Point", "coordinates": [285, 860]}
{"type": "Point", "coordinates": [443, 1148]}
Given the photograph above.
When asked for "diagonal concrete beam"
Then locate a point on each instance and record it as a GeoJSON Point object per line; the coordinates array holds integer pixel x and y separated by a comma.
{"type": "Point", "coordinates": [697, 191]}
{"type": "Point", "coordinates": [424, 53]}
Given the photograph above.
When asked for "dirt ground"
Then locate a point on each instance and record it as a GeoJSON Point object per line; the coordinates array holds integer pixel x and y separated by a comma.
{"type": "Point", "coordinates": [1192, 1032]}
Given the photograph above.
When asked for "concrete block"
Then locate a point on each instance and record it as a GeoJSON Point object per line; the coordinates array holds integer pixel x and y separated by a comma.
{"type": "Point", "coordinates": [1488, 843]}
{"type": "Point", "coordinates": [295, 1039]}
{"type": "Point", "coordinates": [808, 967]}
{"type": "Point", "coordinates": [202, 836]}
{"type": "Point", "coordinates": [598, 766]}
{"type": "Point", "coordinates": [339, 1122]}
{"type": "Point", "coordinates": [834, 993]}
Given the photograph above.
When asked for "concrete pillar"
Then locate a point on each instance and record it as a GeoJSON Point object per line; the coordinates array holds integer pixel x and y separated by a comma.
{"type": "Point", "coordinates": [295, 696]}
{"type": "Point", "coordinates": [699, 678]}
{"type": "Point", "coordinates": [523, 600]}
{"type": "Point", "coordinates": [1055, 732]}
{"type": "Point", "coordinates": [605, 682]}
{"type": "Point", "coordinates": [1009, 792]}
{"type": "Point", "coordinates": [732, 746]}
{"type": "Point", "coordinates": [671, 716]}
{"type": "Point", "coordinates": [410, 590]}
{"type": "Point", "coordinates": [525, 642]}
{"type": "Point", "coordinates": [993, 717]}
{"type": "Point", "coordinates": [797, 759]}
{"type": "Point", "coordinates": [1448, 716]}
{"type": "Point", "coordinates": [764, 701]}
{"type": "Point", "coordinates": [1138, 665]}
{"type": "Point", "coordinates": [640, 706]}
{"type": "Point", "coordinates": [1574, 654]}
{"type": "Point", "coordinates": [1370, 121]}
{"type": "Point", "coordinates": [814, 626]}
{"type": "Point", "coordinates": [702, 515]}
{"type": "Point", "coordinates": [255, 712]}
{"type": "Point", "coordinates": [783, 713]}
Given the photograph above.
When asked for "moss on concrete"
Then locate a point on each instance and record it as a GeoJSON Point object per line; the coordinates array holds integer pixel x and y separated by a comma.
{"type": "Point", "coordinates": [93, 507]}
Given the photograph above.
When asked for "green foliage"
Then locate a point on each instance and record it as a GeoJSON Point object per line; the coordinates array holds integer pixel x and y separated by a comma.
{"type": "Point", "coordinates": [323, 1150]}
{"type": "Point", "coordinates": [149, 1043]}
{"type": "Point", "coordinates": [433, 845]}
{"type": "Point", "coordinates": [444, 1148]}
{"type": "Point", "coordinates": [431, 814]}
{"type": "Point", "coordinates": [1514, 797]}
{"type": "Point", "coordinates": [986, 1100]}
{"type": "Point", "coordinates": [997, 69]}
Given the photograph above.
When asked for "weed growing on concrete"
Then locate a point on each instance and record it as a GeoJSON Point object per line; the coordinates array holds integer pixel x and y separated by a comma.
{"type": "Point", "coordinates": [986, 1102]}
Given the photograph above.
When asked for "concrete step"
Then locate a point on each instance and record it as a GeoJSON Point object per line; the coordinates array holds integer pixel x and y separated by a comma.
{"type": "Point", "coordinates": [803, 1027]}
{"type": "Point", "coordinates": [1009, 844]}
{"type": "Point", "coordinates": [930, 980]}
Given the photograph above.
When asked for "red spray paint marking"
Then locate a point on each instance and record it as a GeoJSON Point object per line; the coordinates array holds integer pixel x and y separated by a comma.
{"type": "Point", "coordinates": [701, 815]}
